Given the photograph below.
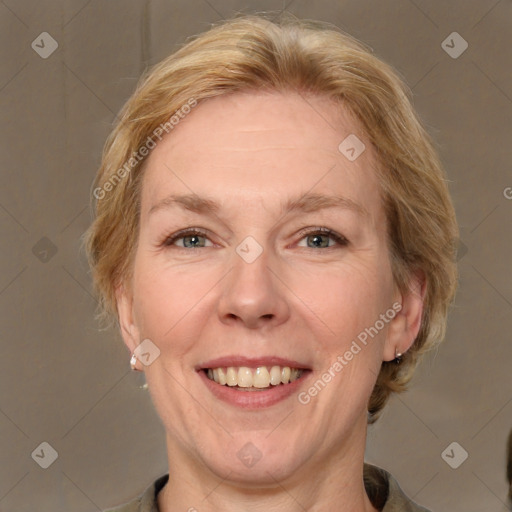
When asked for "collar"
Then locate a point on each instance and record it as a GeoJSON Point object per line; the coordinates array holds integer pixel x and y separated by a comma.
{"type": "Point", "coordinates": [382, 489]}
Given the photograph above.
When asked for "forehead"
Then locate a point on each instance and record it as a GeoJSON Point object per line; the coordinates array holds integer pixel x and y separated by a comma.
{"type": "Point", "coordinates": [262, 147]}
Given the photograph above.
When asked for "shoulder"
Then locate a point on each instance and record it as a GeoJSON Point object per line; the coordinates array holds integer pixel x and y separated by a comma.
{"type": "Point", "coordinates": [146, 502]}
{"type": "Point", "coordinates": [132, 506]}
{"type": "Point", "coordinates": [385, 493]}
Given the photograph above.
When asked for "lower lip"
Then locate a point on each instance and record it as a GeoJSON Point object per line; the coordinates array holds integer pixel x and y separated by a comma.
{"type": "Point", "coordinates": [253, 399]}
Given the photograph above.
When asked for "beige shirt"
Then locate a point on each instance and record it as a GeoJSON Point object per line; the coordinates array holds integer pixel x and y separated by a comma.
{"type": "Point", "coordinates": [382, 489]}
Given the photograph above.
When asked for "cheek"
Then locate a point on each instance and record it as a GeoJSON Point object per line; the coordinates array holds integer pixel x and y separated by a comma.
{"type": "Point", "coordinates": [166, 299]}
{"type": "Point", "coordinates": [350, 303]}
{"type": "Point", "coordinates": [347, 299]}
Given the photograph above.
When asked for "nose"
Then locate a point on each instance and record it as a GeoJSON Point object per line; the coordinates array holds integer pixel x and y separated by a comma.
{"type": "Point", "coordinates": [254, 295]}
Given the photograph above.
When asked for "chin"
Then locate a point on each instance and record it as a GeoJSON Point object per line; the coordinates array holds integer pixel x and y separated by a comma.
{"type": "Point", "coordinates": [256, 458]}
{"type": "Point", "coordinates": [259, 468]}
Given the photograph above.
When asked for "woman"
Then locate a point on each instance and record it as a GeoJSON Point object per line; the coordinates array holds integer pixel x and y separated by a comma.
{"type": "Point", "coordinates": [274, 235]}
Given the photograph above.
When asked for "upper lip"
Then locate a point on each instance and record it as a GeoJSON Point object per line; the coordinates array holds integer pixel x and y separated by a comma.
{"type": "Point", "coordinates": [251, 362]}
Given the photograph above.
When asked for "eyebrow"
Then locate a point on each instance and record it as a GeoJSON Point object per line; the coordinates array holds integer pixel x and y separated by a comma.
{"type": "Point", "coordinates": [308, 203]}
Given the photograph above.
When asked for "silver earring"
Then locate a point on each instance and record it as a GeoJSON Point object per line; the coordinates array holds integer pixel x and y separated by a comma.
{"type": "Point", "coordinates": [133, 362]}
{"type": "Point", "coordinates": [398, 356]}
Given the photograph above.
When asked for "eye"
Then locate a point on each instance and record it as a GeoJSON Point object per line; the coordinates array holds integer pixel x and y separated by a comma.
{"type": "Point", "coordinates": [192, 239]}
{"type": "Point", "coordinates": [195, 238]}
{"type": "Point", "coordinates": [319, 238]}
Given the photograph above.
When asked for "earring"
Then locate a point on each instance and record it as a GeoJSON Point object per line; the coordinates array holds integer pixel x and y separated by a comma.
{"type": "Point", "coordinates": [133, 362]}
{"type": "Point", "coordinates": [398, 356]}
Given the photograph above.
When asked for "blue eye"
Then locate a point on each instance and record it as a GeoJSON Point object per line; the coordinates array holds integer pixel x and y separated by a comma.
{"type": "Point", "coordinates": [191, 239]}
{"type": "Point", "coordinates": [320, 238]}
{"type": "Point", "coordinates": [195, 238]}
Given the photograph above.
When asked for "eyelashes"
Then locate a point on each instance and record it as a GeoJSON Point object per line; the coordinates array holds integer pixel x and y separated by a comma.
{"type": "Point", "coordinates": [184, 233]}
{"type": "Point", "coordinates": [198, 233]}
{"type": "Point", "coordinates": [325, 232]}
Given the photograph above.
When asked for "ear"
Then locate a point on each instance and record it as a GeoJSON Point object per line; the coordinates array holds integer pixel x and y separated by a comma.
{"type": "Point", "coordinates": [404, 327]}
{"type": "Point", "coordinates": [129, 329]}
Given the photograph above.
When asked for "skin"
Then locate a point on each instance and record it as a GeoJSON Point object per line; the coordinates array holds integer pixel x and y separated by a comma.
{"type": "Point", "coordinates": [250, 152]}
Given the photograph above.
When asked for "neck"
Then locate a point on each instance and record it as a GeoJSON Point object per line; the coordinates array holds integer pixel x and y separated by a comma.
{"type": "Point", "coordinates": [332, 482]}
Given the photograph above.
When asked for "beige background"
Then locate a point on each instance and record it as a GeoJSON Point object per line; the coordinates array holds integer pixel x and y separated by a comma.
{"type": "Point", "coordinates": [64, 382]}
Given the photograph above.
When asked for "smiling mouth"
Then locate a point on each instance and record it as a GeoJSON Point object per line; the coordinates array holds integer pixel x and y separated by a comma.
{"type": "Point", "coordinates": [243, 378]}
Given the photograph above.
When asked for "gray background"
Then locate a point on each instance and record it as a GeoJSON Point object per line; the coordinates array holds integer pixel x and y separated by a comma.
{"type": "Point", "coordinates": [65, 382]}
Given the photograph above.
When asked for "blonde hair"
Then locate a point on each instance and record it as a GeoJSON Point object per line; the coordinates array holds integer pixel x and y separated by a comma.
{"type": "Point", "coordinates": [253, 53]}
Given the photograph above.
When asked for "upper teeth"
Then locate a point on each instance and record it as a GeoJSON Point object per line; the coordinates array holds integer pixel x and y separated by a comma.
{"type": "Point", "coordinates": [261, 377]}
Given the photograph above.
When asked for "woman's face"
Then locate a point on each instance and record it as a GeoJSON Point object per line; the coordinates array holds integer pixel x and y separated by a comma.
{"type": "Point", "coordinates": [261, 292]}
